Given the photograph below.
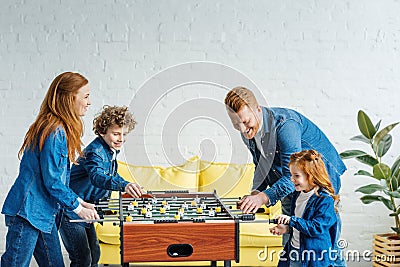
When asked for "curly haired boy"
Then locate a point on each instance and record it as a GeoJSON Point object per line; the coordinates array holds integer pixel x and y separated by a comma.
{"type": "Point", "coordinates": [94, 178]}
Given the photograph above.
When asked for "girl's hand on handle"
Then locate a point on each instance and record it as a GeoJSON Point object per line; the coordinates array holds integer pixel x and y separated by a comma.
{"type": "Point", "coordinates": [283, 219]}
{"type": "Point", "coordinates": [280, 229]}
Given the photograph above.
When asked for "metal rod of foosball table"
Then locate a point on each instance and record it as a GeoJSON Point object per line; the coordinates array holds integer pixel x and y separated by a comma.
{"type": "Point", "coordinates": [94, 220]}
{"type": "Point", "coordinates": [270, 221]}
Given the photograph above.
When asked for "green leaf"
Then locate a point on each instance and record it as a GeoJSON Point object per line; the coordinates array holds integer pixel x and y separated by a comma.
{"type": "Point", "coordinates": [371, 188]}
{"type": "Point", "coordinates": [365, 173]}
{"type": "Point", "coordinates": [397, 230]}
{"type": "Point", "coordinates": [387, 203]}
{"type": "Point", "coordinates": [370, 198]}
{"type": "Point", "coordinates": [383, 146]}
{"type": "Point", "coordinates": [382, 133]}
{"type": "Point", "coordinates": [395, 213]}
{"type": "Point", "coordinates": [361, 138]}
{"type": "Point", "coordinates": [381, 171]}
{"type": "Point", "coordinates": [396, 167]}
{"type": "Point", "coordinates": [368, 159]}
{"type": "Point", "coordinates": [394, 184]}
{"type": "Point", "coordinates": [367, 199]}
{"type": "Point", "coordinates": [394, 194]}
{"type": "Point", "coordinates": [348, 154]}
{"type": "Point", "coordinates": [378, 125]}
{"type": "Point", "coordinates": [365, 125]}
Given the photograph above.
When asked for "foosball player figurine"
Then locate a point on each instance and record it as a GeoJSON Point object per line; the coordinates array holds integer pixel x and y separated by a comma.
{"type": "Point", "coordinates": [130, 207]}
{"type": "Point", "coordinates": [211, 212]}
{"type": "Point", "coordinates": [203, 205]}
{"type": "Point", "coordinates": [167, 206]}
{"type": "Point", "coordinates": [199, 210]}
{"type": "Point", "coordinates": [149, 206]}
{"type": "Point", "coordinates": [162, 210]}
{"type": "Point", "coordinates": [218, 209]}
{"type": "Point", "coordinates": [134, 203]}
{"type": "Point", "coordinates": [143, 211]}
{"type": "Point", "coordinates": [181, 211]}
{"type": "Point", "coordinates": [148, 214]}
{"type": "Point", "coordinates": [177, 216]}
{"type": "Point", "coordinates": [197, 199]}
{"type": "Point", "coordinates": [185, 206]}
{"type": "Point", "coordinates": [128, 218]}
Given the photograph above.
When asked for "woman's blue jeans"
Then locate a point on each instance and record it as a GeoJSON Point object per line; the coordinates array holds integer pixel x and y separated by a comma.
{"type": "Point", "coordinates": [80, 242]}
{"type": "Point", "coordinates": [23, 240]}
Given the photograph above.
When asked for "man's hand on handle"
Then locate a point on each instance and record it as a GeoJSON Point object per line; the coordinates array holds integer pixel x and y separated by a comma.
{"type": "Point", "coordinates": [250, 204]}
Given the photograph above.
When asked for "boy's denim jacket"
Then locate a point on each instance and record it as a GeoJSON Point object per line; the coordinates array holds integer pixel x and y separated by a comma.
{"type": "Point", "coordinates": [285, 132]}
{"type": "Point", "coordinates": [317, 229]}
{"type": "Point", "coordinates": [42, 183]}
{"type": "Point", "coordinates": [96, 174]}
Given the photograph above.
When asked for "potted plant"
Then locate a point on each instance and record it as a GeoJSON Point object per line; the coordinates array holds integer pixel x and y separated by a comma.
{"type": "Point", "coordinates": [386, 189]}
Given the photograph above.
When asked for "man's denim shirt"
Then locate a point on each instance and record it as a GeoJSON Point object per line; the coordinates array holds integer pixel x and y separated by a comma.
{"type": "Point", "coordinates": [96, 174]}
{"type": "Point", "coordinates": [42, 183]}
{"type": "Point", "coordinates": [286, 132]}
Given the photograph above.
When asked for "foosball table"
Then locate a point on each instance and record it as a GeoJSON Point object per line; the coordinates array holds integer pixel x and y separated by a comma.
{"type": "Point", "coordinates": [170, 226]}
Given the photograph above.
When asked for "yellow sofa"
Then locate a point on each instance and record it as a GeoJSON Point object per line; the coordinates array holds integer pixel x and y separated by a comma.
{"type": "Point", "coordinates": [257, 246]}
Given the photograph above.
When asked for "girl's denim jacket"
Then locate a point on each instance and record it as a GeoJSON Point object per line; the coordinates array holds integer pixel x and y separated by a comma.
{"type": "Point", "coordinates": [41, 187]}
{"type": "Point", "coordinates": [96, 174]}
{"type": "Point", "coordinates": [317, 229]}
{"type": "Point", "coordinates": [285, 132]}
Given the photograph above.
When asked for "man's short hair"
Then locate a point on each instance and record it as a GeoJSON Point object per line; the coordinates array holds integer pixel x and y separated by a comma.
{"type": "Point", "coordinates": [239, 97]}
{"type": "Point", "coordinates": [113, 116]}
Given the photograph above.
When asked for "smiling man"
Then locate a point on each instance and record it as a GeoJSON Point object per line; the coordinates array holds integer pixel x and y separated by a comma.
{"type": "Point", "coordinates": [272, 135]}
{"type": "Point", "coordinates": [94, 178]}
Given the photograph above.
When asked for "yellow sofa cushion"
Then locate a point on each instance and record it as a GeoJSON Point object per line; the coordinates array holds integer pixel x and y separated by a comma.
{"type": "Point", "coordinates": [181, 177]}
{"type": "Point", "coordinates": [108, 233]}
{"type": "Point", "coordinates": [230, 180]}
{"type": "Point", "coordinates": [257, 234]}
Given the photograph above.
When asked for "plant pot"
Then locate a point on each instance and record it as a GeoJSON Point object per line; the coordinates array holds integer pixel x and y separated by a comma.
{"type": "Point", "coordinates": [386, 250]}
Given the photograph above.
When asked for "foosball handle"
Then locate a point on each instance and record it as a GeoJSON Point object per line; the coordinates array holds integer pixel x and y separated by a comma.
{"type": "Point", "coordinates": [247, 217]}
{"type": "Point", "coordinates": [273, 221]}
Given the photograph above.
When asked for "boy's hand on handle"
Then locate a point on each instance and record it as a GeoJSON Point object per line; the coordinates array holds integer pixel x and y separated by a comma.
{"type": "Point", "coordinates": [250, 204]}
{"type": "Point", "coordinates": [88, 212]}
{"type": "Point", "coordinates": [134, 190]}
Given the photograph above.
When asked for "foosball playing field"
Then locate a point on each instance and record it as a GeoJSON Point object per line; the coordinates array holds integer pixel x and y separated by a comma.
{"type": "Point", "coordinates": [168, 226]}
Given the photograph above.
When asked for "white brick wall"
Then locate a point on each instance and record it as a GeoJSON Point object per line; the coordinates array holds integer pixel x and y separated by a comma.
{"type": "Point", "coordinates": [326, 59]}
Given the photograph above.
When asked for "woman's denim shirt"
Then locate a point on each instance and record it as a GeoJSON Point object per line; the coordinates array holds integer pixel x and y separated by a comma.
{"type": "Point", "coordinates": [286, 132]}
{"type": "Point", "coordinates": [317, 227]}
{"type": "Point", "coordinates": [42, 183]}
{"type": "Point", "coordinates": [96, 174]}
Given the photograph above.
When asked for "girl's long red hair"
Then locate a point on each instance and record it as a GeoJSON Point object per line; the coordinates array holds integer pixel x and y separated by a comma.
{"type": "Point", "coordinates": [58, 109]}
{"type": "Point", "coordinates": [310, 162]}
